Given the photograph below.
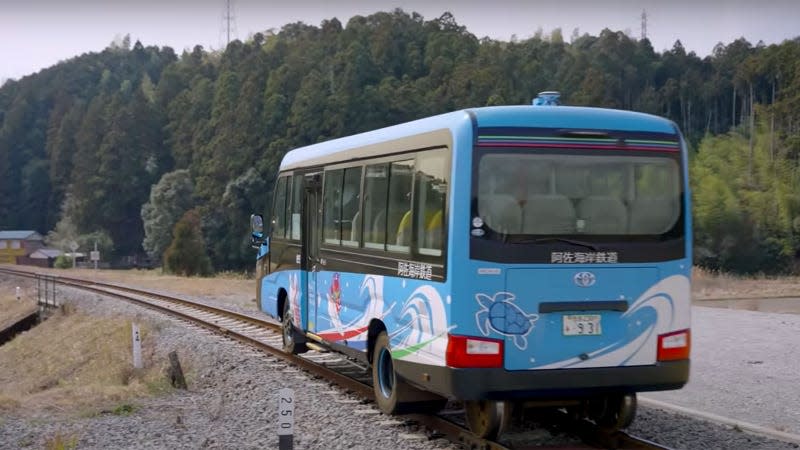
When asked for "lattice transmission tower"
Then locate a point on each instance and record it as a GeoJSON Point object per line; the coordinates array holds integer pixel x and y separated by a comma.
{"type": "Point", "coordinates": [644, 24]}
{"type": "Point", "coordinates": [228, 23]}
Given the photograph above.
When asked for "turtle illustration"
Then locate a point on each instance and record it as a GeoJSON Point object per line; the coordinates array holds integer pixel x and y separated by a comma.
{"type": "Point", "coordinates": [498, 313]}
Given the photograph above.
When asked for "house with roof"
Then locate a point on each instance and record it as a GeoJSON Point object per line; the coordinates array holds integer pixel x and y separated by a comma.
{"type": "Point", "coordinates": [18, 243]}
{"type": "Point", "coordinates": [44, 257]}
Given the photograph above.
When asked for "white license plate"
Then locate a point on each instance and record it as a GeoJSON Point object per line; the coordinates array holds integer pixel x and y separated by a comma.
{"type": "Point", "coordinates": [582, 325]}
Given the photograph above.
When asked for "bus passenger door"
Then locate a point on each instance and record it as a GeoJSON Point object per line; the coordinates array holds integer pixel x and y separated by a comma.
{"type": "Point", "coordinates": [312, 213]}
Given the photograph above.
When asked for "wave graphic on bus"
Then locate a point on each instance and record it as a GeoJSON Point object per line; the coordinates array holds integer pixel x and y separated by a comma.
{"type": "Point", "coordinates": [422, 325]}
{"type": "Point", "coordinates": [653, 313]}
{"type": "Point", "coordinates": [371, 291]}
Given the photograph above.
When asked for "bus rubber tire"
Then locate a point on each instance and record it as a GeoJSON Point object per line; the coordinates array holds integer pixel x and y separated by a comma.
{"type": "Point", "coordinates": [289, 334]}
{"type": "Point", "coordinates": [391, 392]}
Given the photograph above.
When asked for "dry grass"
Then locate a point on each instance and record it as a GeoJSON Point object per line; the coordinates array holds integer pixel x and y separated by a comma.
{"type": "Point", "coordinates": [75, 364]}
{"type": "Point", "coordinates": [61, 442]}
{"type": "Point", "coordinates": [708, 285]}
{"type": "Point", "coordinates": [239, 288]}
{"type": "Point", "coordinates": [12, 310]}
{"type": "Point", "coordinates": [231, 287]}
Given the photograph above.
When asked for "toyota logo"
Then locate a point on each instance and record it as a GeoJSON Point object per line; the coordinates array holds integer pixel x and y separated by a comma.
{"type": "Point", "coordinates": [584, 279]}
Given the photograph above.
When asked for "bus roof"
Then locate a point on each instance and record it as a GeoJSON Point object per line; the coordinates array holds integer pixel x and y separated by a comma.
{"type": "Point", "coordinates": [492, 116]}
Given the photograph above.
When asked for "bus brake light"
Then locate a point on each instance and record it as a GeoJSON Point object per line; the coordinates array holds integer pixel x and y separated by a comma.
{"type": "Point", "coordinates": [674, 346]}
{"type": "Point", "coordinates": [468, 351]}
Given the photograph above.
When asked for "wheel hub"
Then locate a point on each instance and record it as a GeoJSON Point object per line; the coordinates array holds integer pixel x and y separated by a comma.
{"type": "Point", "coordinates": [385, 373]}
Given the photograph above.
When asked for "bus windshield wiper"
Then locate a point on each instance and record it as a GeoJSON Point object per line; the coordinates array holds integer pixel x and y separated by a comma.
{"type": "Point", "coordinates": [556, 239]}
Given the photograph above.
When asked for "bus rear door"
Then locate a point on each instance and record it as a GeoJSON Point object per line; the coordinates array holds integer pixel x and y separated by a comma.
{"type": "Point", "coordinates": [312, 212]}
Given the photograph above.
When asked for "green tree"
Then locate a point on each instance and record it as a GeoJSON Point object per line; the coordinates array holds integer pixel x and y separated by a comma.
{"type": "Point", "coordinates": [186, 255]}
{"type": "Point", "coordinates": [170, 198]}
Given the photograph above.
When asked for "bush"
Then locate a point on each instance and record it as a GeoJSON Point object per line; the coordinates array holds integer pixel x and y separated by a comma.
{"type": "Point", "coordinates": [186, 254]}
{"type": "Point", "coordinates": [62, 262]}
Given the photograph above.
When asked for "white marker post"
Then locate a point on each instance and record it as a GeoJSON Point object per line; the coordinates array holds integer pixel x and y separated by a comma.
{"type": "Point", "coordinates": [137, 347]}
{"type": "Point", "coordinates": [94, 255]}
{"type": "Point", "coordinates": [19, 297]}
{"type": "Point", "coordinates": [74, 247]}
{"type": "Point", "coordinates": [285, 419]}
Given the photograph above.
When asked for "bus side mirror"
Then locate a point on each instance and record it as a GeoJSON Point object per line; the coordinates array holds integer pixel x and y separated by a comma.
{"type": "Point", "coordinates": [257, 231]}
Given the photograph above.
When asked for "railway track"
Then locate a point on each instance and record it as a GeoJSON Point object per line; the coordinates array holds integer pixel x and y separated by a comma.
{"type": "Point", "coordinates": [350, 375]}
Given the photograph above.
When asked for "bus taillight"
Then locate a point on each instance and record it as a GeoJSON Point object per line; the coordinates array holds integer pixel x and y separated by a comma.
{"type": "Point", "coordinates": [468, 351]}
{"type": "Point", "coordinates": [674, 346]}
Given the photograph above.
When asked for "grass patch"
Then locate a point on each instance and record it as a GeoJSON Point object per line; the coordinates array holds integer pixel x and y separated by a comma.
{"type": "Point", "coordinates": [75, 364]}
{"type": "Point", "coordinates": [12, 310]}
{"type": "Point", "coordinates": [61, 442]}
{"type": "Point", "coordinates": [125, 409]}
{"type": "Point", "coordinates": [231, 275]}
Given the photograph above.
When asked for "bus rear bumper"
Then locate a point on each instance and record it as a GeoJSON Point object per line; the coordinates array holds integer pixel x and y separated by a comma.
{"type": "Point", "coordinates": [501, 384]}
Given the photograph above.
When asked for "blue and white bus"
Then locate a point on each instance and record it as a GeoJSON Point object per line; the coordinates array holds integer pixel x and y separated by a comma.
{"type": "Point", "coordinates": [498, 256]}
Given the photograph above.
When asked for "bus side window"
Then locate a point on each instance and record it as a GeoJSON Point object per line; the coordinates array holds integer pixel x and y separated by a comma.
{"type": "Point", "coordinates": [400, 182]}
{"type": "Point", "coordinates": [279, 209]}
{"type": "Point", "coordinates": [404, 230]}
{"type": "Point", "coordinates": [429, 205]}
{"type": "Point", "coordinates": [332, 207]}
{"type": "Point", "coordinates": [376, 180]}
{"type": "Point", "coordinates": [351, 202]}
{"type": "Point", "coordinates": [295, 232]}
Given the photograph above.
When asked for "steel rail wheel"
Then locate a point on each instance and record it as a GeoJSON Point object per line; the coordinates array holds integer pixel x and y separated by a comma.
{"type": "Point", "coordinates": [487, 419]}
{"type": "Point", "coordinates": [614, 412]}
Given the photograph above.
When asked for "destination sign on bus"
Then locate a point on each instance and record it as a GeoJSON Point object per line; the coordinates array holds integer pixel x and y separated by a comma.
{"type": "Point", "coordinates": [419, 271]}
{"type": "Point", "coordinates": [583, 257]}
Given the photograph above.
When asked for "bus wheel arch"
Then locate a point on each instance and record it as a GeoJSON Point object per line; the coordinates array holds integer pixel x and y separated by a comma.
{"type": "Point", "coordinates": [282, 296]}
{"type": "Point", "coordinates": [376, 326]}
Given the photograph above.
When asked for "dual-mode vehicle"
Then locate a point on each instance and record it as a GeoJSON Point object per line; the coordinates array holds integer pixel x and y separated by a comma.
{"type": "Point", "coordinates": [500, 256]}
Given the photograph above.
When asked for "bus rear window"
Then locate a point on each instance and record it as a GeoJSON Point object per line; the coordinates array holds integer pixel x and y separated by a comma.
{"type": "Point", "coordinates": [578, 193]}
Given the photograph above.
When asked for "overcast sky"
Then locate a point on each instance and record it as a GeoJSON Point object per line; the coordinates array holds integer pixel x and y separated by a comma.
{"type": "Point", "coordinates": [35, 34]}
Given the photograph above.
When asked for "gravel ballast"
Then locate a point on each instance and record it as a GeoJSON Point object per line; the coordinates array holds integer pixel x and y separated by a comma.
{"type": "Point", "coordinates": [745, 366]}
{"type": "Point", "coordinates": [232, 403]}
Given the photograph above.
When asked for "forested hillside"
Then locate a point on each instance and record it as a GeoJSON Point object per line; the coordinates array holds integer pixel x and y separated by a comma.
{"type": "Point", "coordinates": [116, 146]}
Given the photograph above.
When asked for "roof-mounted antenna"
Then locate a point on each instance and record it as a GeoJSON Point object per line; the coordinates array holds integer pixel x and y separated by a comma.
{"type": "Point", "coordinates": [547, 98]}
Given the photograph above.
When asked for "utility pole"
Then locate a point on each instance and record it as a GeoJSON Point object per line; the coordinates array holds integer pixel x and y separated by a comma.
{"type": "Point", "coordinates": [644, 24]}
